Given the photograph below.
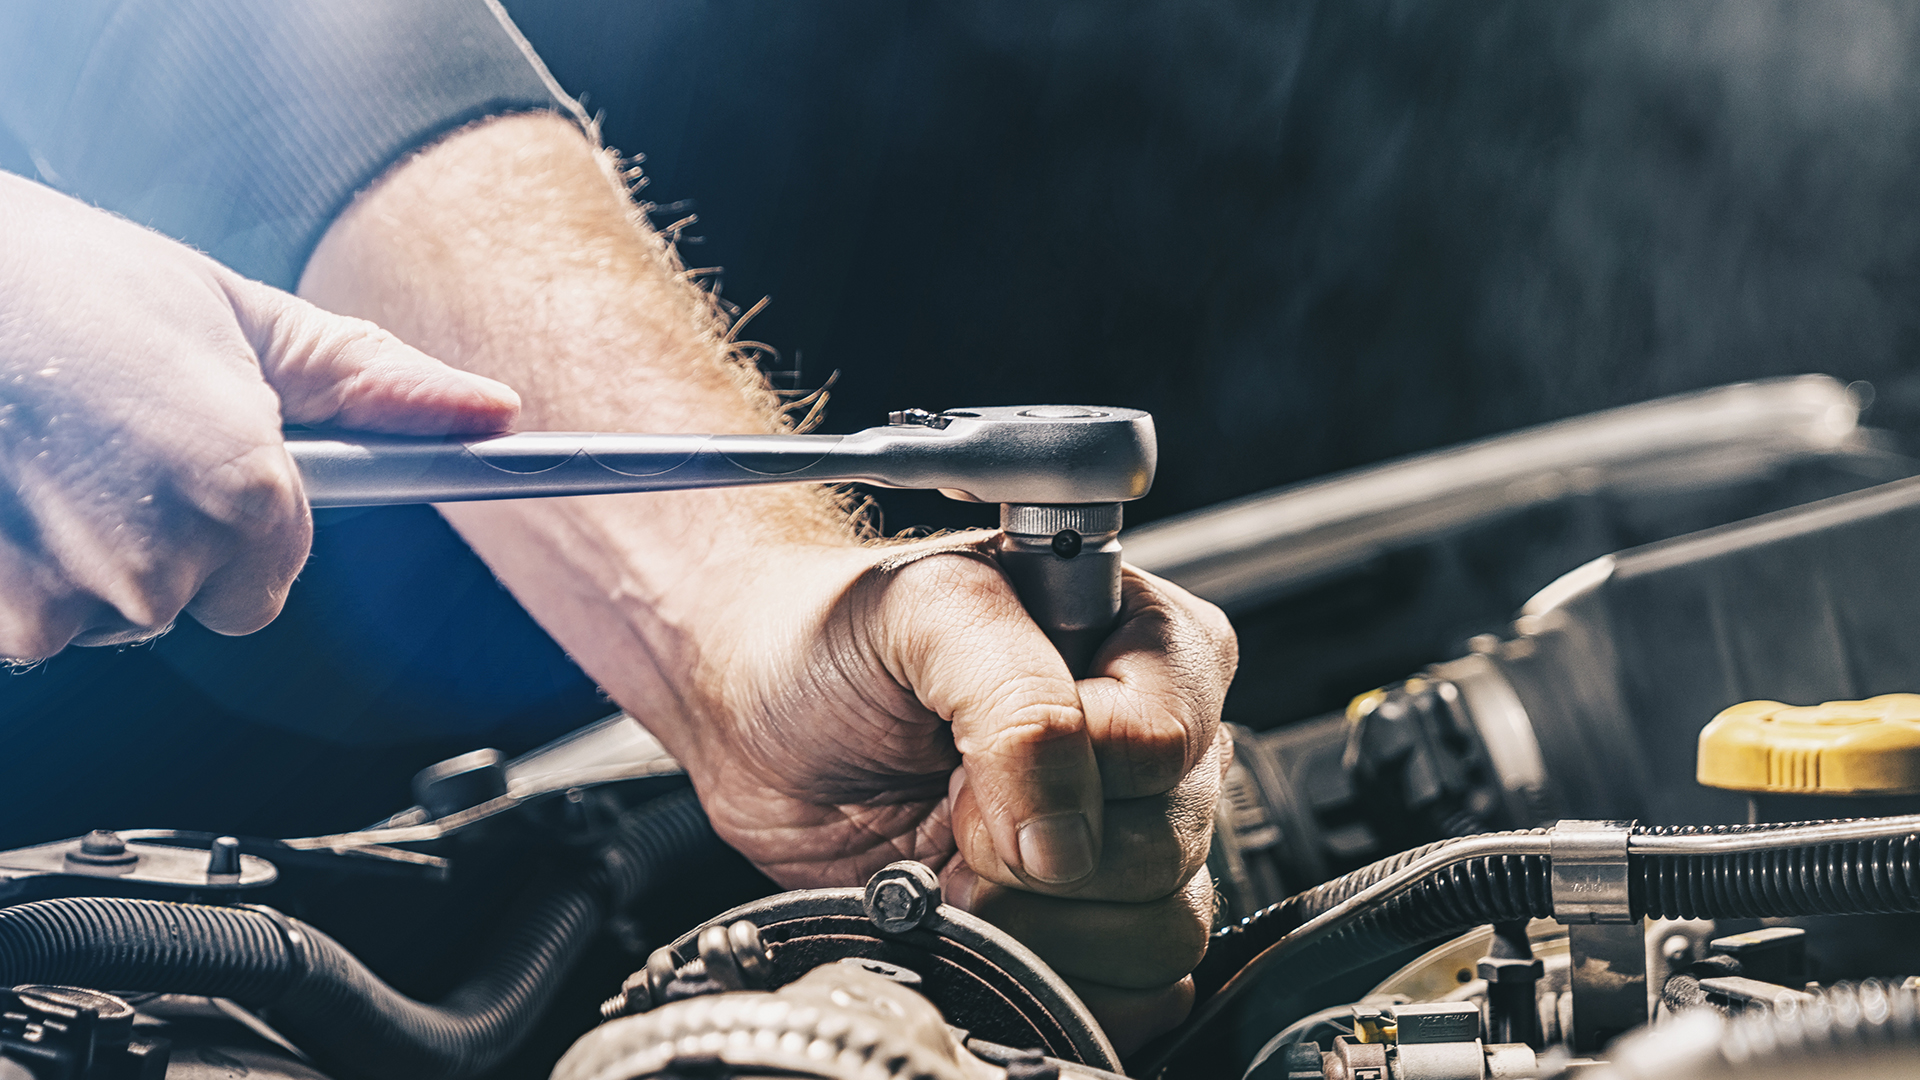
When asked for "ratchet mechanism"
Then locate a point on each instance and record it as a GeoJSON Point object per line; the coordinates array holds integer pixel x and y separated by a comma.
{"type": "Point", "coordinates": [1059, 473]}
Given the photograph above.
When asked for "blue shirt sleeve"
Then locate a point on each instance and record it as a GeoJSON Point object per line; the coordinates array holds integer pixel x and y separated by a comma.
{"type": "Point", "coordinates": [242, 127]}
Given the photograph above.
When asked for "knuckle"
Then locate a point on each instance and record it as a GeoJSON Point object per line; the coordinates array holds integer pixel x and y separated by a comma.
{"type": "Point", "coordinates": [1158, 742]}
{"type": "Point", "coordinates": [257, 490]}
{"type": "Point", "coordinates": [36, 630]}
{"type": "Point", "coordinates": [1029, 721]}
{"type": "Point", "coordinates": [355, 346]}
{"type": "Point", "coordinates": [1155, 846]}
{"type": "Point", "coordinates": [148, 600]}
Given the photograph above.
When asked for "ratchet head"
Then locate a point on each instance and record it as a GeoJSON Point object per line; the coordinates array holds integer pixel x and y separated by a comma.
{"type": "Point", "coordinates": [1059, 473]}
{"type": "Point", "coordinates": [1029, 454]}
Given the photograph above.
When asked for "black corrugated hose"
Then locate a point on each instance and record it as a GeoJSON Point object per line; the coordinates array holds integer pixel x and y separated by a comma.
{"type": "Point", "coordinates": [1850, 878]}
{"type": "Point", "coordinates": [352, 1023]}
{"type": "Point", "coordinates": [1489, 889]}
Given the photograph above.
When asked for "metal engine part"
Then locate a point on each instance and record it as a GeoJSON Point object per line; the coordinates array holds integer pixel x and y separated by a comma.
{"type": "Point", "coordinates": [983, 980]}
{"type": "Point", "coordinates": [837, 1022]}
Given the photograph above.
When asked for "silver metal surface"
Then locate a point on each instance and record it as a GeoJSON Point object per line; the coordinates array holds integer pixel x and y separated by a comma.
{"type": "Point", "coordinates": [146, 864]}
{"type": "Point", "coordinates": [1437, 1061]}
{"type": "Point", "coordinates": [1434, 1022]}
{"type": "Point", "coordinates": [1767, 839]}
{"type": "Point", "coordinates": [1609, 977]}
{"type": "Point", "coordinates": [1064, 562]}
{"type": "Point", "coordinates": [1509, 1061]}
{"type": "Point", "coordinates": [607, 751]}
{"type": "Point", "coordinates": [1745, 991]}
{"type": "Point", "coordinates": [1005, 454]}
{"type": "Point", "coordinates": [1245, 552]}
{"type": "Point", "coordinates": [1060, 473]}
{"type": "Point", "coordinates": [1045, 522]}
{"type": "Point", "coordinates": [1590, 871]}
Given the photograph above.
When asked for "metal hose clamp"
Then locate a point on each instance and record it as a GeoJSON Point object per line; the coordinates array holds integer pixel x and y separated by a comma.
{"type": "Point", "coordinates": [1589, 860]}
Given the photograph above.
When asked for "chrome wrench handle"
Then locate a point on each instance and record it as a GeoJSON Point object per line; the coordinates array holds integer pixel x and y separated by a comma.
{"type": "Point", "coordinates": [1060, 473]}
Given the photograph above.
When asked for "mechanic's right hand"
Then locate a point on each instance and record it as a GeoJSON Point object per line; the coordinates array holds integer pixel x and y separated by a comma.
{"type": "Point", "coordinates": [142, 391]}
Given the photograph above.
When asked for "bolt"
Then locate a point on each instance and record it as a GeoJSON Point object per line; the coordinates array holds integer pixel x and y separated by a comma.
{"type": "Point", "coordinates": [223, 858]}
{"type": "Point", "coordinates": [902, 896]}
{"type": "Point", "coordinates": [1066, 543]}
{"type": "Point", "coordinates": [102, 848]}
{"type": "Point", "coordinates": [631, 999]}
{"type": "Point", "coordinates": [643, 989]}
{"type": "Point", "coordinates": [102, 842]}
{"type": "Point", "coordinates": [733, 956]}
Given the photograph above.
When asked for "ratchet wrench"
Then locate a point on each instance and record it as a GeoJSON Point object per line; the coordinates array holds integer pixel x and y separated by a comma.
{"type": "Point", "coordinates": [1059, 472]}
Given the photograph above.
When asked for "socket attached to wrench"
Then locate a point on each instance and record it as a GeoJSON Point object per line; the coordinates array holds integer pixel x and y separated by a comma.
{"type": "Point", "coordinates": [1059, 472]}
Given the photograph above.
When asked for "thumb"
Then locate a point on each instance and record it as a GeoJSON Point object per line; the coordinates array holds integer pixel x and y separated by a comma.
{"type": "Point", "coordinates": [349, 373]}
{"type": "Point", "coordinates": [1027, 801]}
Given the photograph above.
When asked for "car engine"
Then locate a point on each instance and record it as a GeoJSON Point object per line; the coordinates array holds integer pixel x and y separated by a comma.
{"type": "Point", "coordinates": [1663, 823]}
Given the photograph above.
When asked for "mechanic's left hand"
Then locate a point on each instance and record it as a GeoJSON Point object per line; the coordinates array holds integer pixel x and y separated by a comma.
{"type": "Point", "coordinates": [906, 707]}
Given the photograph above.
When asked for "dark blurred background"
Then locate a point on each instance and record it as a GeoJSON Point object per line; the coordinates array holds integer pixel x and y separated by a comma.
{"type": "Point", "coordinates": [1307, 235]}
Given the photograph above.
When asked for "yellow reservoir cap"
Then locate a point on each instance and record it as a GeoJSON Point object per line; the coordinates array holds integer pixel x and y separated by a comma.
{"type": "Point", "coordinates": [1869, 747]}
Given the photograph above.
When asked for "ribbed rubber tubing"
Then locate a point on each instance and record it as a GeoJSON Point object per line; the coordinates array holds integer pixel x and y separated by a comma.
{"type": "Point", "coordinates": [353, 1024]}
{"type": "Point", "coordinates": [1858, 878]}
{"type": "Point", "coordinates": [1855, 878]}
{"type": "Point", "coordinates": [1467, 894]}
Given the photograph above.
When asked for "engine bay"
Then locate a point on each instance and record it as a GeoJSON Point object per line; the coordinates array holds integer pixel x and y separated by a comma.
{"type": "Point", "coordinates": [1666, 822]}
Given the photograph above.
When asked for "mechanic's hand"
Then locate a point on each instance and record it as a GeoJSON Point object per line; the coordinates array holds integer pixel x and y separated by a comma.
{"type": "Point", "coordinates": [142, 390]}
{"type": "Point", "coordinates": [907, 707]}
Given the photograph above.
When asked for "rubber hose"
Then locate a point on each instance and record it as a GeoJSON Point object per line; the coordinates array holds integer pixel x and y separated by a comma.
{"type": "Point", "coordinates": [1849, 878]}
{"type": "Point", "coordinates": [1854, 878]}
{"type": "Point", "coordinates": [352, 1023]}
{"type": "Point", "coordinates": [118, 944]}
{"type": "Point", "coordinates": [1500, 888]}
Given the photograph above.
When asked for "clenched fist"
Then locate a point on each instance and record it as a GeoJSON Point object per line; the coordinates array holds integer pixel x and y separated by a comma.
{"type": "Point", "coordinates": [142, 391]}
{"type": "Point", "coordinates": [873, 705]}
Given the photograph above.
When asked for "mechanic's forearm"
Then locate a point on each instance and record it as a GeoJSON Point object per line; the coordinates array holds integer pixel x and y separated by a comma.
{"type": "Point", "coordinates": [511, 249]}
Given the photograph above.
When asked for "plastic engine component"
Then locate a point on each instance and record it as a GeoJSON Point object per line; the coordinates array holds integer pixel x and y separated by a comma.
{"type": "Point", "coordinates": [1869, 747]}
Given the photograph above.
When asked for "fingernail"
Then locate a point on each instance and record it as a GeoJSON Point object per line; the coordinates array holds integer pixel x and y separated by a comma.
{"type": "Point", "coordinates": [1057, 848]}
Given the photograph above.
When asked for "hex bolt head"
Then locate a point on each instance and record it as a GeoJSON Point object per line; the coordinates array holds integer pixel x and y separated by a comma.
{"type": "Point", "coordinates": [902, 896]}
{"type": "Point", "coordinates": [1510, 970]}
{"type": "Point", "coordinates": [102, 847]}
{"type": "Point", "coordinates": [632, 998]}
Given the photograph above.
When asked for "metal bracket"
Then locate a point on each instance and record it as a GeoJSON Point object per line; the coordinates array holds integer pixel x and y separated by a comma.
{"type": "Point", "coordinates": [1609, 945]}
{"type": "Point", "coordinates": [1590, 871]}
